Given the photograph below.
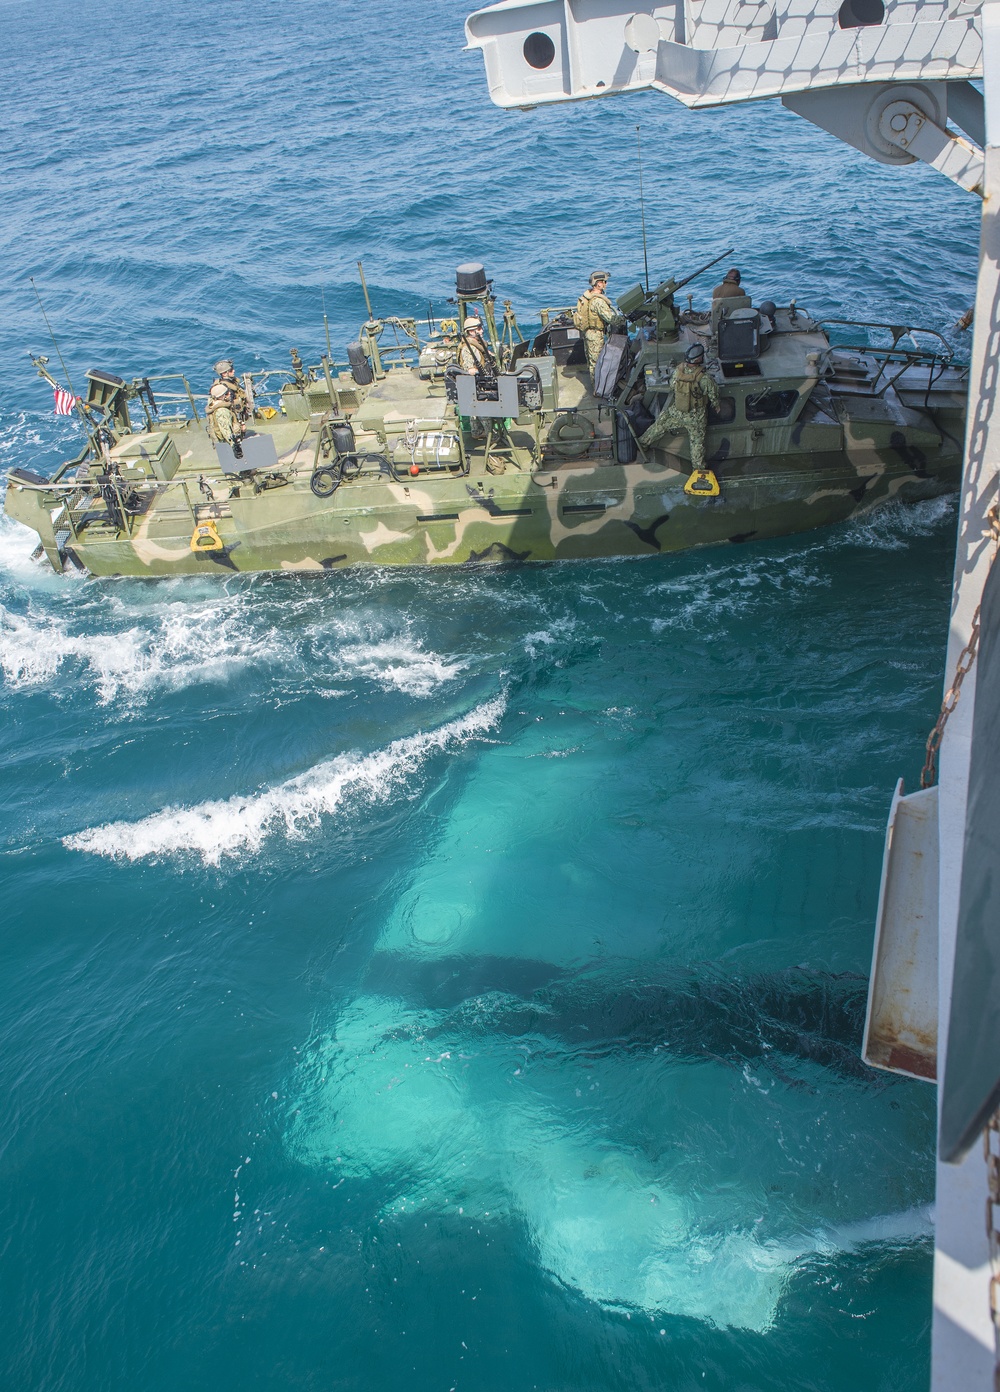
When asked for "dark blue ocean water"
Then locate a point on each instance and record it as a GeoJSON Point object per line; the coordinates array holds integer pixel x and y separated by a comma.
{"type": "Point", "coordinates": [449, 982]}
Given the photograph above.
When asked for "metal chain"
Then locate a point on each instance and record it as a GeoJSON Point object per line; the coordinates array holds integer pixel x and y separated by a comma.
{"type": "Point", "coordinates": [962, 668]}
{"type": "Point", "coordinates": [991, 1150]}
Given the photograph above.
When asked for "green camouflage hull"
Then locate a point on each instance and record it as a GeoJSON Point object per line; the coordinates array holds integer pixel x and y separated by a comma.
{"type": "Point", "coordinates": [567, 513]}
{"type": "Point", "coordinates": [385, 465]}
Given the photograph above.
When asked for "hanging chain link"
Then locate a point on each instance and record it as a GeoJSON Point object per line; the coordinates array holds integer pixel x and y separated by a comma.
{"type": "Point", "coordinates": [962, 668]}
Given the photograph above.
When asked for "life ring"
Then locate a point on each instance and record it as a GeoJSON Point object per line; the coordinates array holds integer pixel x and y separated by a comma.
{"type": "Point", "coordinates": [205, 537]}
{"type": "Point", "coordinates": [571, 435]}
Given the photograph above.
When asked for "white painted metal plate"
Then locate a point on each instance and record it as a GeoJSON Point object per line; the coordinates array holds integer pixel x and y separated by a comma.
{"type": "Point", "coordinates": [902, 1020]}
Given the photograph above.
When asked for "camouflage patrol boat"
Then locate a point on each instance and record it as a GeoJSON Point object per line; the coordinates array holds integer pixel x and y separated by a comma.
{"type": "Point", "coordinates": [400, 458]}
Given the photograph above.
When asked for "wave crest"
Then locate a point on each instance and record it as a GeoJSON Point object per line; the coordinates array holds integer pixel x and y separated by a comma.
{"type": "Point", "coordinates": [238, 825]}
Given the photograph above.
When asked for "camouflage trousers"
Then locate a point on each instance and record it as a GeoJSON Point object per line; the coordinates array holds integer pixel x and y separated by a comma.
{"type": "Point", "coordinates": [670, 421]}
{"type": "Point", "coordinates": [593, 341]}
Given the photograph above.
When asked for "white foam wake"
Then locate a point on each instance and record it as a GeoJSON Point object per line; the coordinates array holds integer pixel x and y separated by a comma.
{"type": "Point", "coordinates": [400, 664]}
{"type": "Point", "coordinates": [235, 825]}
{"type": "Point", "coordinates": [17, 543]}
{"type": "Point", "coordinates": [893, 525]}
{"type": "Point", "coordinates": [177, 645]}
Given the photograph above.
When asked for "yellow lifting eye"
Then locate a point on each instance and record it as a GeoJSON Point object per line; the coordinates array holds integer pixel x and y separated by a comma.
{"type": "Point", "coordinates": [702, 484]}
{"type": "Point", "coordinates": [205, 537]}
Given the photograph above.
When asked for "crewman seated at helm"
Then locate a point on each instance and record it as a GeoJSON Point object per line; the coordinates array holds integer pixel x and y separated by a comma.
{"type": "Point", "coordinates": [730, 285]}
{"type": "Point", "coordinates": [225, 372]}
{"type": "Point", "coordinates": [694, 389]}
{"type": "Point", "coordinates": [223, 422]}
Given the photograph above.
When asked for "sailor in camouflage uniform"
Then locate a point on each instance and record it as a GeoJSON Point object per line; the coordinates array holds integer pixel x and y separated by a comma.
{"type": "Point", "coordinates": [223, 421]}
{"type": "Point", "coordinates": [225, 373]}
{"type": "Point", "coordinates": [693, 390]}
{"type": "Point", "coordinates": [473, 354]}
{"type": "Point", "coordinates": [594, 313]}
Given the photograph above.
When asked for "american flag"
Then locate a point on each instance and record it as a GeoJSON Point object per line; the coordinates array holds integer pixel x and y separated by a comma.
{"type": "Point", "coordinates": [65, 401]}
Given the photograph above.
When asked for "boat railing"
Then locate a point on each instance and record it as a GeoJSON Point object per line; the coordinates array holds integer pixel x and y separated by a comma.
{"type": "Point", "coordinates": [176, 397]}
{"type": "Point", "coordinates": [896, 355]}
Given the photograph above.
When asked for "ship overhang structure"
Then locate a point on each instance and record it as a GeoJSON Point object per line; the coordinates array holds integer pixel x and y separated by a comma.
{"type": "Point", "coordinates": [899, 81]}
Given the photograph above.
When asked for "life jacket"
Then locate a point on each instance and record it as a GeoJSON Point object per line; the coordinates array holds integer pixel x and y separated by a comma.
{"type": "Point", "coordinates": [584, 317]}
{"type": "Point", "coordinates": [688, 395]}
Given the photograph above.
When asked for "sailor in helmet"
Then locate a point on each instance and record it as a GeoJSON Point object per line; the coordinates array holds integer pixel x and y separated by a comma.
{"type": "Point", "coordinates": [225, 373]}
{"type": "Point", "coordinates": [594, 315]}
{"type": "Point", "coordinates": [223, 422]}
{"type": "Point", "coordinates": [694, 391]}
{"type": "Point", "coordinates": [474, 356]}
{"type": "Point", "coordinates": [473, 352]}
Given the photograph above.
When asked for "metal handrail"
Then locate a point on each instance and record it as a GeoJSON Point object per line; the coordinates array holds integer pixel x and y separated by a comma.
{"type": "Point", "coordinates": [178, 377]}
{"type": "Point", "coordinates": [898, 331]}
{"type": "Point", "coordinates": [905, 358]}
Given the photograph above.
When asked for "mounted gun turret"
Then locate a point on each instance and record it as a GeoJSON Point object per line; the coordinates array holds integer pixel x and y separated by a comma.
{"type": "Point", "coordinates": [657, 306]}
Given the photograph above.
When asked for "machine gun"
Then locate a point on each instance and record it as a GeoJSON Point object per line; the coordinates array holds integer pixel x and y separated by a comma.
{"type": "Point", "coordinates": [637, 304]}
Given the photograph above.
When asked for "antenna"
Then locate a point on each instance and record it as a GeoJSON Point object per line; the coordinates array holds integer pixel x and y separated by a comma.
{"type": "Point", "coordinates": [55, 345]}
{"type": "Point", "coordinates": [364, 286]}
{"type": "Point", "coordinates": [326, 324]}
{"type": "Point", "coordinates": [642, 209]}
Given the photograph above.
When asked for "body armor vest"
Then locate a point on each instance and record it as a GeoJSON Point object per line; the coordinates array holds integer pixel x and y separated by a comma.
{"type": "Point", "coordinates": [688, 395]}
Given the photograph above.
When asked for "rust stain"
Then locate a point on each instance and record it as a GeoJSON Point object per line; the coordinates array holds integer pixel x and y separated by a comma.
{"type": "Point", "coordinates": [910, 1060]}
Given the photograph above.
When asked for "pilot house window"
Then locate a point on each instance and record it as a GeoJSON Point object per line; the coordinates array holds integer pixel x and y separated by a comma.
{"type": "Point", "coordinates": [724, 412]}
{"type": "Point", "coordinates": [771, 405]}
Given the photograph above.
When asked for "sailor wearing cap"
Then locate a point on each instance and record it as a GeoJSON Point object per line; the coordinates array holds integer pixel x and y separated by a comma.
{"type": "Point", "coordinates": [694, 389]}
{"type": "Point", "coordinates": [594, 313]}
{"type": "Point", "coordinates": [223, 422]}
{"type": "Point", "coordinates": [225, 373]}
{"type": "Point", "coordinates": [730, 286]}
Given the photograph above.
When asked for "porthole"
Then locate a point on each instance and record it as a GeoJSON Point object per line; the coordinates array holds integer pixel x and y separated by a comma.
{"type": "Point", "coordinates": [539, 50]}
{"type": "Point", "coordinates": [856, 14]}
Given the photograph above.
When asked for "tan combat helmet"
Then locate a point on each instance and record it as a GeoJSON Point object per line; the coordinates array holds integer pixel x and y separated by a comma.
{"type": "Point", "coordinates": [595, 276]}
{"type": "Point", "coordinates": [224, 367]}
{"type": "Point", "coordinates": [473, 324]}
{"type": "Point", "coordinates": [218, 391]}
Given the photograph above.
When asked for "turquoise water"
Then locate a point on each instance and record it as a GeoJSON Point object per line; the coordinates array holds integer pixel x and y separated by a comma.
{"type": "Point", "coordinates": [444, 981]}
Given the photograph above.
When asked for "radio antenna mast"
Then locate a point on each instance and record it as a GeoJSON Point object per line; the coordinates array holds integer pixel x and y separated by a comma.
{"type": "Point", "coordinates": [642, 209]}
{"type": "Point", "coordinates": [326, 324]}
{"type": "Point", "coordinates": [364, 287]}
{"type": "Point", "coordinates": [55, 345]}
